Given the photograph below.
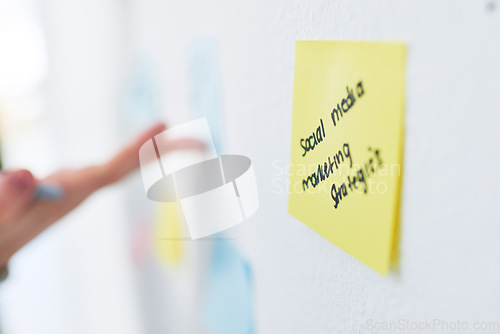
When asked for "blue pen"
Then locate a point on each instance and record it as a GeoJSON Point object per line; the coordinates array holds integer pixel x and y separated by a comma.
{"type": "Point", "coordinates": [45, 191]}
{"type": "Point", "coordinates": [48, 192]}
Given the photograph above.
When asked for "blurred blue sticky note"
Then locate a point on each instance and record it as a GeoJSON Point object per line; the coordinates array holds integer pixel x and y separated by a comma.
{"type": "Point", "coordinates": [141, 101]}
{"type": "Point", "coordinates": [205, 86]}
{"type": "Point", "coordinates": [48, 192]}
{"type": "Point", "coordinates": [227, 303]}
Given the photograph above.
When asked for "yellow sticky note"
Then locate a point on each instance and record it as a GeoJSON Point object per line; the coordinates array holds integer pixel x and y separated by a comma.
{"type": "Point", "coordinates": [347, 145]}
{"type": "Point", "coordinates": [167, 231]}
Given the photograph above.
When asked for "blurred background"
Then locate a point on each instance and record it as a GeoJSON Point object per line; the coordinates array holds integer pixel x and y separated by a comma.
{"type": "Point", "coordinates": [78, 79]}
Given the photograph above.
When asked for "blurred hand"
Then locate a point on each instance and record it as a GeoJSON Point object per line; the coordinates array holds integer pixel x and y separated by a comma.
{"type": "Point", "coordinates": [22, 217]}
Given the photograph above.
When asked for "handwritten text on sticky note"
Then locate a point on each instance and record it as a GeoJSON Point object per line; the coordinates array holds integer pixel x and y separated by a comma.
{"type": "Point", "coordinates": [347, 145]}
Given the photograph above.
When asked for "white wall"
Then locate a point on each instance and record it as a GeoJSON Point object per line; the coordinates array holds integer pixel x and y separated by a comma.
{"type": "Point", "coordinates": [449, 267]}
{"type": "Point", "coordinates": [76, 277]}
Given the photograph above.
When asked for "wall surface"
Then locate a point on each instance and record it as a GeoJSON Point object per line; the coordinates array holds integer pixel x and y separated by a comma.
{"type": "Point", "coordinates": [449, 267]}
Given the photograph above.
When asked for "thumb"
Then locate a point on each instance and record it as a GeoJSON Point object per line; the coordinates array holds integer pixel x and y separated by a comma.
{"type": "Point", "coordinates": [17, 189]}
